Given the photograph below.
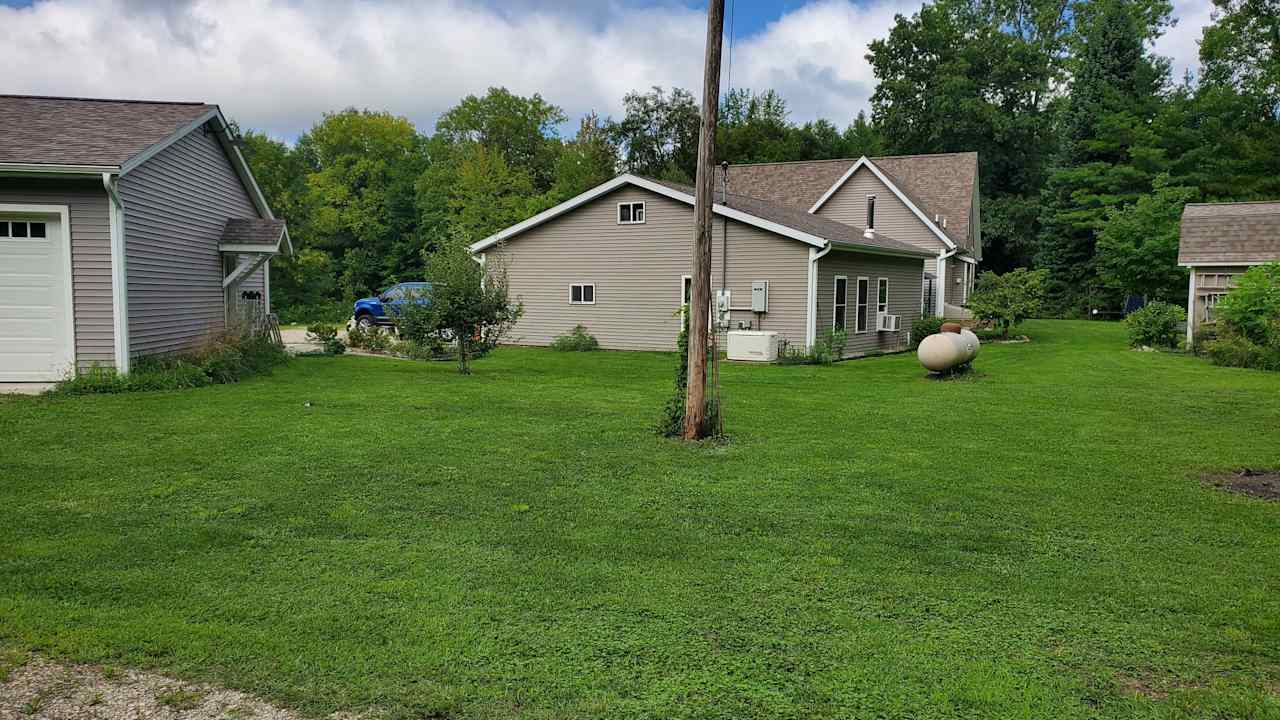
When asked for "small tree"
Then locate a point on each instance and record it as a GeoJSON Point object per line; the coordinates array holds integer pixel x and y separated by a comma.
{"type": "Point", "coordinates": [1006, 300]}
{"type": "Point", "coordinates": [1138, 244]}
{"type": "Point", "coordinates": [1253, 306]}
{"type": "Point", "coordinates": [469, 300]}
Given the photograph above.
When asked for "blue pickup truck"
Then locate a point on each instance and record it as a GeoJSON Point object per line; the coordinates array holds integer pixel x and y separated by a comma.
{"type": "Point", "coordinates": [381, 310]}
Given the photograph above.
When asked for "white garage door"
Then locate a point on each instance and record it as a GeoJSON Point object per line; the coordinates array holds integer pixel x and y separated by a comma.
{"type": "Point", "coordinates": [35, 320]}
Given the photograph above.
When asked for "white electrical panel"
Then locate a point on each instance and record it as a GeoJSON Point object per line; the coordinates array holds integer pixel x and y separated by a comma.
{"type": "Point", "coordinates": [759, 296]}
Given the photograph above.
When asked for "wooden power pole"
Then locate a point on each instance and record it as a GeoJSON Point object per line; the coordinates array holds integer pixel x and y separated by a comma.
{"type": "Point", "coordinates": [695, 406]}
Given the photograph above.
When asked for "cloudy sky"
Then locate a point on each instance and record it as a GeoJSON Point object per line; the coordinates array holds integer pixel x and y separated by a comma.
{"type": "Point", "coordinates": [277, 65]}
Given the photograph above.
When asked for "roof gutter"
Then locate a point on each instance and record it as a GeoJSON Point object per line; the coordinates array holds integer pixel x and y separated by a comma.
{"type": "Point", "coordinates": [29, 169]}
{"type": "Point", "coordinates": [811, 304]}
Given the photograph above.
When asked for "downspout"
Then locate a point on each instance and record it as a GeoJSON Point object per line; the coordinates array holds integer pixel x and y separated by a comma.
{"type": "Point", "coordinates": [811, 311]}
{"type": "Point", "coordinates": [942, 280]}
{"type": "Point", "coordinates": [119, 273]}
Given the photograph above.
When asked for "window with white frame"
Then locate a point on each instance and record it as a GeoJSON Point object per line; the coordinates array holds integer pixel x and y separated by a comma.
{"type": "Point", "coordinates": [686, 290]}
{"type": "Point", "coordinates": [860, 315]}
{"type": "Point", "coordinates": [631, 213]}
{"type": "Point", "coordinates": [871, 212]}
{"type": "Point", "coordinates": [841, 303]}
{"type": "Point", "coordinates": [882, 296]}
{"type": "Point", "coordinates": [21, 229]}
{"type": "Point", "coordinates": [582, 294]}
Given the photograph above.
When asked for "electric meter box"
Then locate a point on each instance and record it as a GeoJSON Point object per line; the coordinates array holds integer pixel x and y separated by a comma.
{"type": "Point", "coordinates": [759, 296]}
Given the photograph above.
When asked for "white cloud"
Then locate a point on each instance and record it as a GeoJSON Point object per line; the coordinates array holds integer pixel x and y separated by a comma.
{"type": "Point", "coordinates": [278, 64]}
{"type": "Point", "coordinates": [1181, 44]}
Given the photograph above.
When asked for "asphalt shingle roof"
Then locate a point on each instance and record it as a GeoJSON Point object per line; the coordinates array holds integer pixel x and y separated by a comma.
{"type": "Point", "coordinates": [79, 131]}
{"type": "Point", "coordinates": [837, 232]}
{"type": "Point", "coordinates": [940, 185]}
{"type": "Point", "coordinates": [252, 231]}
{"type": "Point", "coordinates": [1247, 232]}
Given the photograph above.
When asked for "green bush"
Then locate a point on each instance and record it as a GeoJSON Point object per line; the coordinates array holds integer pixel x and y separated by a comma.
{"type": "Point", "coordinates": [577, 341]}
{"type": "Point", "coordinates": [375, 339]}
{"type": "Point", "coordinates": [434, 349]}
{"type": "Point", "coordinates": [334, 312]}
{"type": "Point", "coordinates": [225, 358]}
{"type": "Point", "coordinates": [1252, 307]}
{"type": "Point", "coordinates": [1157, 324]}
{"type": "Point", "coordinates": [671, 423]}
{"type": "Point", "coordinates": [327, 337]}
{"type": "Point", "coordinates": [923, 328]}
{"type": "Point", "coordinates": [1232, 348]}
{"type": "Point", "coordinates": [826, 350]}
{"type": "Point", "coordinates": [1006, 300]}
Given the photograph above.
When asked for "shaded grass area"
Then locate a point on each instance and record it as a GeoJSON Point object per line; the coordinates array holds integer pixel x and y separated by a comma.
{"type": "Point", "coordinates": [1033, 543]}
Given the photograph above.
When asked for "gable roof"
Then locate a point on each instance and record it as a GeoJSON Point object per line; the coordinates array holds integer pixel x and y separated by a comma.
{"type": "Point", "coordinates": [86, 136]}
{"type": "Point", "coordinates": [938, 185]}
{"type": "Point", "coordinates": [73, 131]}
{"type": "Point", "coordinates": [1242, 233]}
{"type": "Point", "coordinates": [788, 222]}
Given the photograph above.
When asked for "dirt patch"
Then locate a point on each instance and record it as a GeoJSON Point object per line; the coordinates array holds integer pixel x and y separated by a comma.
{"type": "Point", "coordinates": [1263, 484]}
{"type": "Point", "coordinates": [37, 688]}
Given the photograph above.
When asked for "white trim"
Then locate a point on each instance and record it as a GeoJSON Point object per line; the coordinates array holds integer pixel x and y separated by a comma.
{"type": "Point", "coordinates": [864, 161]}
{"type": "Point", "coordinates": [52, 169]}
{"type": "Point", "coordinates": [1224, 264]}
{"type": "Point", "coordinates": [856, 304]}
{"type": "Point", "coordinates": [966, 258]}
{"type": "Point", "coordinates": [248, 248]}
{"type": "Point", "coordinates": [243, 269]}
{"type": "Point", "coordinates": [941, 300]}
{"type": "Point", "coordinates": [610, 186]}
{"type": "Point", "coordinates": [811, 296]}
{"type": "Point", "coordinates": [69, 357]}
{"type": "Point", "coordinates": [835, 283]}
{"type": "Point", "coordinates": [266, 284]}
{"type": "Point", "coordinates": [644, 213]}
{"type": "Point", "coordinates": [879, 312]}
{"type": "Point", "coordinates": [583, 285]}
{"type": "Point", "coordinates": [1191, 309]}
{"type": "Point", "coordinates": [871, 211]}
{"type": "Point", "coordinates": [119, 274]}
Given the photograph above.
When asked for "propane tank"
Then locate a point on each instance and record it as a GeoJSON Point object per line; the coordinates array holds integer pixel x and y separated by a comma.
{"type": "Point", "coordinates": [951, 348]}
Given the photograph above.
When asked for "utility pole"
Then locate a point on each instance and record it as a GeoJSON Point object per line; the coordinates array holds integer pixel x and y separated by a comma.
{"type": "Point", "coordinates": [695, 406]}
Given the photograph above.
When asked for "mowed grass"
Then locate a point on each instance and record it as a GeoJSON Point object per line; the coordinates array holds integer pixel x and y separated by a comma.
{"type": "Point", "coordinates": [1034, 542]}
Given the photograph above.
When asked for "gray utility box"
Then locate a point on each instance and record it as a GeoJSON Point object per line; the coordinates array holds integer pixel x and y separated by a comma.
{"type": "Point", "coordinates": [759, 296]}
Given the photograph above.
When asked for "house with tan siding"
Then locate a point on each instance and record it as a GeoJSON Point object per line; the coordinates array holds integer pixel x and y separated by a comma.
{"type": "Point", "coordinates": [127, 228]}
{"type": "Point", "coordinates": [1218, 243]}
{"type": "Point", "coordinates": [616, 258]}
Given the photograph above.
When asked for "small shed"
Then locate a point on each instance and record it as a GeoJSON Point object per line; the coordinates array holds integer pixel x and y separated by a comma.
{"type": "Point", "coordinates": [1219, 242]}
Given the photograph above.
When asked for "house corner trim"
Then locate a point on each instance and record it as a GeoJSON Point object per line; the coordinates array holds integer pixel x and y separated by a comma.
{"type": "Point", "coordinates": [119, 274]}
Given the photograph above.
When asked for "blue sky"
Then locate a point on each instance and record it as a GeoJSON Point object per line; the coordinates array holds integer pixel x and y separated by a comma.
{"type": "Point", "coordinates": [277, 65]}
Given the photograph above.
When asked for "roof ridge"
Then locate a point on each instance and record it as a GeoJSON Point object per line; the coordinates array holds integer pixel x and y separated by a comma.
{"type": "Point", "coordinates": [853, 159]}
{"type": "Point", "coordinates": [1234, 202]}
{"type": "Point", "coordinates": [104, 100]}
{"type": "Point", "coordinates": [920, 155]}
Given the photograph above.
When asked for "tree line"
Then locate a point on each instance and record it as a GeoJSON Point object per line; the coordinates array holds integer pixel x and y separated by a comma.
{"type": "Point", "coordinates": [1088, 148]}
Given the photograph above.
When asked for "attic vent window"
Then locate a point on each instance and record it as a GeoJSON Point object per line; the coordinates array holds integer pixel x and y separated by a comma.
{"type": "Point", "coordinates": [631, 213]}
{"type": "Point", "coordinates": [871, 212]}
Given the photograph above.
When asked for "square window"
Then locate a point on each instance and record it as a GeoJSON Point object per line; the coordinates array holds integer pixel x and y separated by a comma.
{"type": "Point", "coordinates": [631, 213]}
{"type": "Point", "coordinates": [582, 294]}
{"type": "Point", "coordinates": [37, 229]}
{"type": "Point", "coordinates": [17, 229]}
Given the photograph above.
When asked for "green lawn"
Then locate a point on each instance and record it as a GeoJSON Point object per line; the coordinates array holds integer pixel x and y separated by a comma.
{"type": "Point", "coordinates": [1032, 543]}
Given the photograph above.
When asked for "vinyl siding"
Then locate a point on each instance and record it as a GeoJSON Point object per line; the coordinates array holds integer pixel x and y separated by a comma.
{"type": "Point", "coordinates": [86, 201]}
{"type": "Point", "coordinates": [893, 218]}
{"type": "Point", "coordinates": [637, 271]}
{"type": "Point", "coordinates": [904, 276]}
{"type": "Point", "coordinates": [955, 290]}
{"type": "Point", "coordinates": [175, 206]}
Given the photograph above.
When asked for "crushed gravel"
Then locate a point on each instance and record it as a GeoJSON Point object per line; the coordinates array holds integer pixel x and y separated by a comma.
{"type": "Point", "coordinates": [40, 689]}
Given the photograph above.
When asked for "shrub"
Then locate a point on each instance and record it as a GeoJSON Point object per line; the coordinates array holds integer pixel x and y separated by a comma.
{"type": "Point", "coordinates": [375, 339]}
{"type": "Point", "coordinates": [826, 350]}
{"type": "Point", "coordinates": [1157, 324]}
{"type": "Point", "coordinates": [327, 337]}
{"type": "Point", "coordinates": [1006, 300]}
{"type": "Point", "coordinates": [1252, 307]}
{"type": "Point", "coordinates": [577, 341]}
{"type": "Point", "coordinates": [416, 323]}
{"type": "Point", "coordinates": [923, 328]}
{"type": "Point", "coordinates": [671, 423]}
{"type": "Point", "coordinates": [435, 349]}
{"type": "Point", "coordinates": [224, 358]}
{"type": "Point", "coordinates": [1232, 348]}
